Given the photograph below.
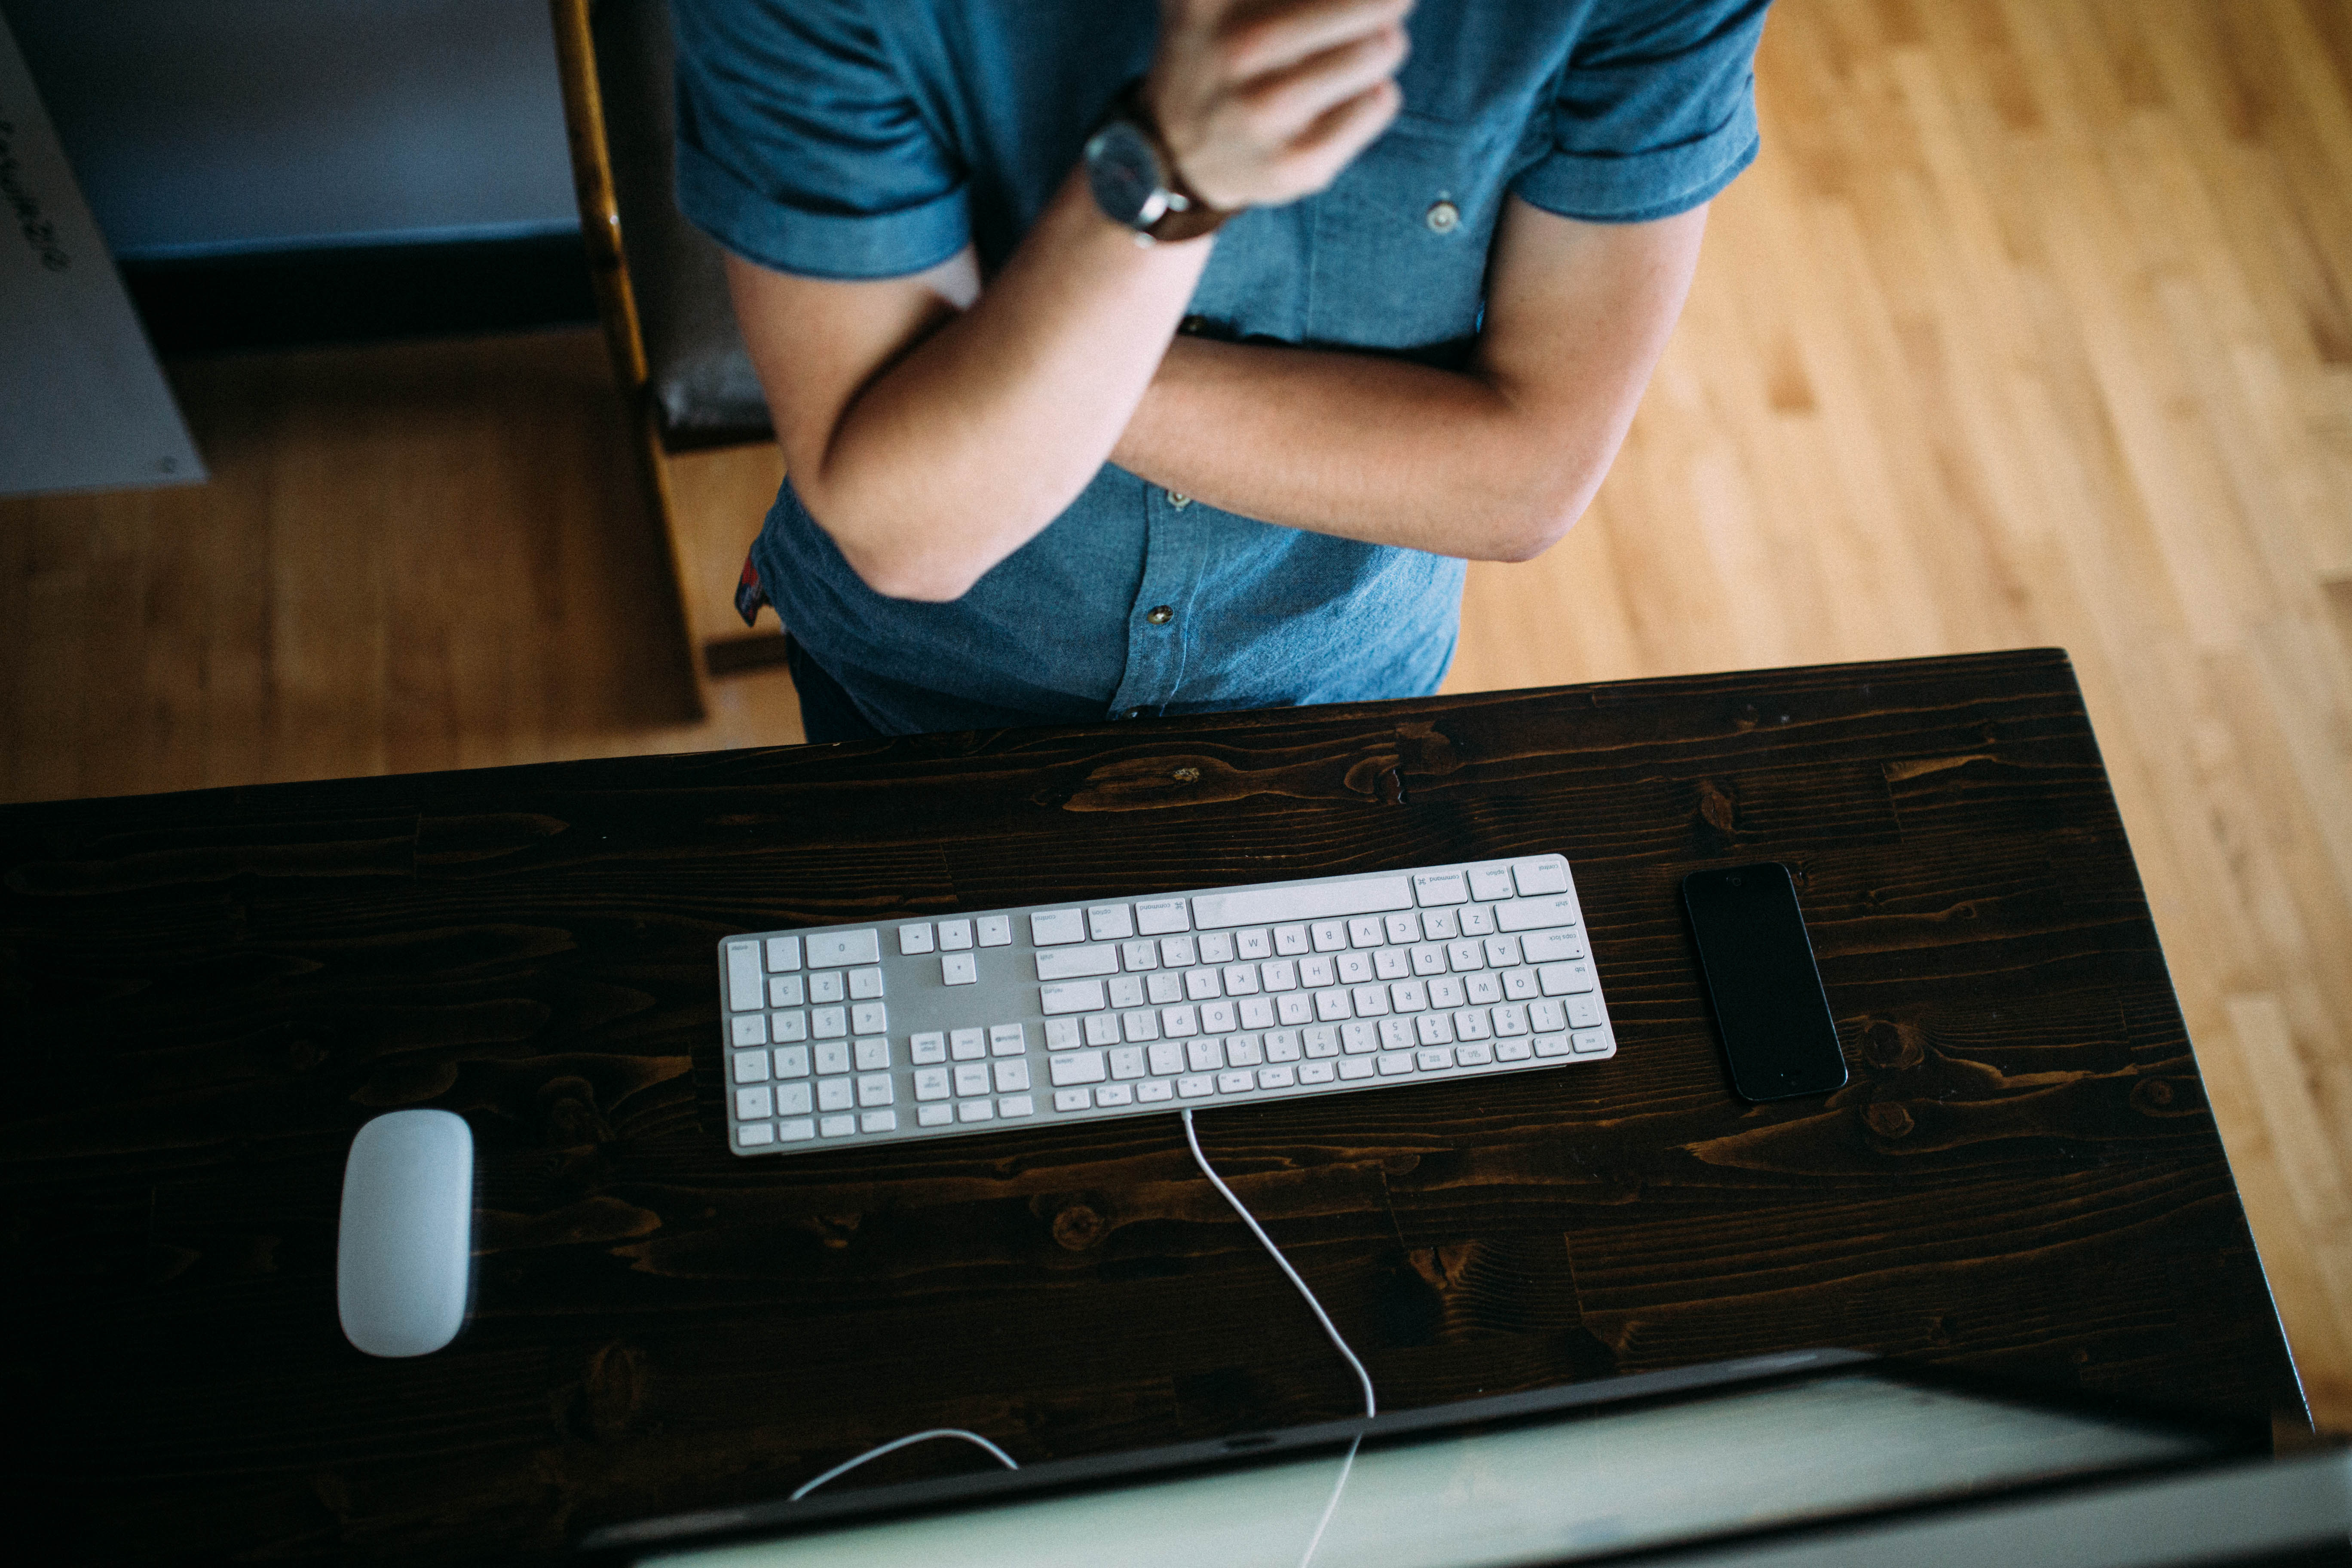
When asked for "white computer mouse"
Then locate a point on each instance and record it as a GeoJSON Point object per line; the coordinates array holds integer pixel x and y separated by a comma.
{"type": "Point", "coordinates": [403, 1250]}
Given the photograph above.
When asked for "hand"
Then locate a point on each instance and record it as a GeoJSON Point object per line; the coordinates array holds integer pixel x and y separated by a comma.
{"type": "Point", "coordinates": [1263, 101]}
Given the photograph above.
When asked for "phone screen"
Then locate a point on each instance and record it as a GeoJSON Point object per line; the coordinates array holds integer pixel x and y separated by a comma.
{"type": "Point", "coordinates": [1769, 1003]}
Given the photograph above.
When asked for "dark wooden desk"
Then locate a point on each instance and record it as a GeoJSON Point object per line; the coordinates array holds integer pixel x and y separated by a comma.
{"type": "Point", "coordinates": [207, 994]}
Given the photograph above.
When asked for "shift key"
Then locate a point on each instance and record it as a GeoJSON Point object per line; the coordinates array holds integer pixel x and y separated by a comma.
{"type": "Point", "coordinates": [1530, 915]}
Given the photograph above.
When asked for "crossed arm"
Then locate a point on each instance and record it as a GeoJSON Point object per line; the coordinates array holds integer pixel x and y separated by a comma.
{"type": "Point", "coordinates": [932, 428]}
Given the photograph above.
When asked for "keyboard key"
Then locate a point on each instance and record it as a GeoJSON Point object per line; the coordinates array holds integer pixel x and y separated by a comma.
{"type": "Point", "coordinates": [1544, 1016]}
{"type": "Point", "coordinates": [1073, 996]}
{"type": "Point", "coordinates": [1102, 1028]}
{"type": "Point", "coordinates": [873, 1089]}
{"type": "Point", "coordinates": [1320, 1040]}
{"type": "Point", "coordinates": [1502, 952]}
{"type": "Point", "coordinates": [828, 949]}
{"type": "Point", "coordinates": [1110, 923]}
{"type": "Point", "coordinates": [1409, 996]}
{"type": "Point", "coordinates": [1440, 887]}
{"type": "Point", "coordinates": [1519, 984]}
{"type": "Point", "coordinates": [750, 1066]}
{"type": "Point", "coordinates": [1153, 1091]}
{"type": "Point", "coordinates": [1179, 952]}
{"type": "Point", "coordinates": [1061, 1034]}
{"type": "Point", "coordinates": [1439, 925]}
{"type": "Point", "coordinates": [742, 976]}
{"type": "Point", "coordinates": [1475, 921]}
{"type": "Point", "coordinates": [1282, 1046]}
{"type": "Point", "coordinates": [1111, 1094]}
{"type": "Point", "coordinates": [1435, 1029]}
{"type": "Point", "coordinates": [1446, 991]}
{"type": "Point", "coordinates": [1076, 962]}
{"type": "Point", "coordinates": [1079, 1067]}
{"type": "Point", "coordinates": [1486, 989]}
{"type": "Point", "coordinates": [1238, 1082]}
{"type": "Point", "coordinates": [1244, 1051]}
{"type": "Point", "coordinates": [749, 1028]}
{"type": "Point", "coordinates": [783, 952]}
{"type": "Point", "coordinates": [1403, 928]}
{"type": "Point", "coordinates": [833, 1056]}
{"type": "Point", "coordinates": [1395, 1063]}
{"type": "Point", "coordinates": [1295, 1008]}
{"type": "Point", "coordinates": [968, 1044]}
{"type": "Point", "coordinates": [1583, 1013]}
{"type": "Point", "coordinates": [1157, 917]}
{"type": "Point", "coordinates": [1216, 1018]}
{"type": "Point", "coordinates": [1330, 936]}
{"type": "Point", "coordinates": [1318, 1072]}
{"type": "Point", "coordinates": [1055, 928]}
{"type": "Point", "coordinates": [1428, 959]}
{"type": "Point", "coordinates": [1257, 1013]}
{"type": "Point", "coordinates": [1216, 947]}
{"type": "Point", "coordinates": [1470, 1023]}
{"type": "Point", "coordinates": [1332, 1006]}
{"type": "Point", "coordinates": [1139, 955]}
{"type": "Point", "coordinates": [1276, 1078]}
{"type": "Point", "coordinates": [958, 968]}
{"type": "Point", "coordinates": [1533, 877]}
{"type": "Point", "coordinates": [829, 1023]}
{"type": "Point", "coordinates": [835, 1094]}
{"type": "Point", "coordinates": [976, 1110]}
{"type": "Point", "coordinates": [1364, 931]}
{"type": "Point", "coordinates": [1357, 1039]}
{"type": "Point", "coordinates": [1240, 979]}
{"type": "Point", "coordinates": [1465, 955]}
{"type": "Point", "coordinates": [1513, 1050]}
{"type": "Point", "coordinates": [878, 1121]}
{"type": "Point", "coordinates": [799, 1131]}
{"type": "Point", "coordinates": [1355, 968]}
{"type": "Point", "coordinates": [1589, 1042]}
{"type": "Point", "coordinates": [789, 1026]}
{"type": "Point", "coordinates": [1396, 1033]}
{"type": "Point", "coordinates": [1392, 963]}
{"type": "Point", "coordinates": [1564, 979]}
{"type": "Point", "coordinates": [1011, 1076]}
{"type": "Point", "coordinates": [1167, 1057]}
{"type": "Point", "coordinates": [1488, 883]}
{"type": "Point", "coordinates": [1290, 940]}
{"type": "Point", "coordinates": [1178, 1022]}
{"type": "Point", "coordinates": [1163, 987]}
{"type": "Point", "coordinates": [1128, 992]}
{"type": "Point", "coordinates": [836, 1126]}
{"type": "Point", "coordinates": [1475, 1056]}
{"type": "Point", "coordinates": [955, 936]}
{"type": "Point", "coordinates": [1371, 1001]}
{"type": "Point", "coordinates": [971, 1078]}
{"type": "Point", "coordinates": [1371, 895]}
{"type": "Point", "coordinates": [934, 1115]}
{"type": "Point", "coordinates": [754, 1104]}
{"type": "Point", "coordinates": [1017, 1105]}
{"type": "Point", "coordinates": [1435, 1058]}
{"type": "Point", "coordinates": [1548, 946]}
{"type": "Point", "coordinates": [786, 991]}
{"type": "Point", "coordinates": [1529, 914]}
{"type": "Point", "coordinates": [915, 940]}
{"type": "Point", "coordinates": [1255, 943]}
{"type": "Point", "coordinates": [1205, 1056]}
{"type": "Point", "coordinates": [793, 1100]}
{"type": "Point", "coordinates": [1140, 1026]}
{"type": "Point", "coordinates": [755, 1136]}
{"type": "Point", "coordinates": [1193, 1085]}
{"type": "Point", "coordinates": [1071, 1100]}
{"type": "Point", "coordinates": [932, 1083]}
{"type": "Point", "coordinates": [1007, 1040]}
{"type": "Point", "coordinates": [1551, 1045]}
{"type": "Point", "coordinates": [995, 931]}
{"type": "Point", "coordinates": [792, 1062]}
{"type": "Point", "coordinates": [1356, 1066]}
{"type": "Point", "coordinates": [873, 1056]}
{"type": "Point", "coordinates": [1127, 1061]}
{"type": "Point", "coordinates": [1201, 985]}
{"type": "Point", "coordinates": [1510, 1018]}
{"type": "Point", "coordinates": [869, 1017]}
{"type": "Point", "coordinates": [1278, 974]}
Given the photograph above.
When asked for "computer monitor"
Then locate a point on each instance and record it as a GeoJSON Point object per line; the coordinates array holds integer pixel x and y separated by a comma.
{"type": "Point", "coordinates": [1735, 1451]}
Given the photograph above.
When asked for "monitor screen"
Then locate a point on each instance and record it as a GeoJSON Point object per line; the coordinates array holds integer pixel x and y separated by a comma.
{"type": "Point", "coordinates": [1596, 1482]}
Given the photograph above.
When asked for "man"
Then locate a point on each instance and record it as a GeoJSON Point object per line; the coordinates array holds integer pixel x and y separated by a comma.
{"type": "Point", "coordinates": [1406, 274]}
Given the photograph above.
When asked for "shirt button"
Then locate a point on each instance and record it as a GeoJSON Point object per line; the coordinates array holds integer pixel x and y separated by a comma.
{"type": "Point", "coordinates": [1134, 712]}
{"type": "Point", "coordinates": [1178, 500]}
{"type": "Point", "coordinates": [1190, 325]}
{"type": "Point", "coordinates": [1441, 216]}
{"type": "Point", "coordinates": [1160, 615]}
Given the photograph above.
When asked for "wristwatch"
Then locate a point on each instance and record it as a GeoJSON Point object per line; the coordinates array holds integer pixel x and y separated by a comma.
{"type": "Point", "coordinates": [1134, 176]}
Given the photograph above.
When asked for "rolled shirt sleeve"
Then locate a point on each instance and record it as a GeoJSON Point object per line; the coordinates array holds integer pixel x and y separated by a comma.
{"type": "Point", "coordinates": [1655, 113]}
{"type": "Point", "coordinates": [801, 148]}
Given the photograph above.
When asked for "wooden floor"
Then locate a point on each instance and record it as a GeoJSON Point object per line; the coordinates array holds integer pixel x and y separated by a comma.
{"type": "Point", "coordinates": [2032, 325]}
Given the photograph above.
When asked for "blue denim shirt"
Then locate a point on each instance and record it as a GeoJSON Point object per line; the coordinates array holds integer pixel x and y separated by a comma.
{"type": "Point", "coordinates": [875, 138]}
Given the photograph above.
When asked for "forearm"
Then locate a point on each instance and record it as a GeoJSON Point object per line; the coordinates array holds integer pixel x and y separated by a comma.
{"type": "Point", "coordinates": [961, 451]}
{"type": "Point", "coordinates": [1386, 451]}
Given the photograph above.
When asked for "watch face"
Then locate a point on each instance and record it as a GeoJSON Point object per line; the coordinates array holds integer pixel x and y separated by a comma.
{"type": "Point", "coordinates": [1125, 174]}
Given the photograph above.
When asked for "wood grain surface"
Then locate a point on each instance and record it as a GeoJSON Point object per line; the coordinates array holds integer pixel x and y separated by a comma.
{"type": "Point", "coordinates": [206, 995]}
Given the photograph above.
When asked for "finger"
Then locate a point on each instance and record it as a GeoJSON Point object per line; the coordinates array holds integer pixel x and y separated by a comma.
{"type": "Point", "coordinates": [1281, 108]}
{"type": "Point", "coordinates": [1331, 143]}
{"type": "Point", "coordinates": [1260, 40]}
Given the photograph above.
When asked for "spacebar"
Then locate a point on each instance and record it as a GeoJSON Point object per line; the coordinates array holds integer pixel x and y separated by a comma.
{"type": "Point", "coordinates": [1320, 901]}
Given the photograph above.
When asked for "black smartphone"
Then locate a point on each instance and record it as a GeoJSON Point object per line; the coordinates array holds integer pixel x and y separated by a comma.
{"type": "Point", "coordinates": [1768, 1003]}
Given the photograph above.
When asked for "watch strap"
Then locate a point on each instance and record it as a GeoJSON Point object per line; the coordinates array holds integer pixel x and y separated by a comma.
{"type": "Point", "coordinates": [1187, 217]}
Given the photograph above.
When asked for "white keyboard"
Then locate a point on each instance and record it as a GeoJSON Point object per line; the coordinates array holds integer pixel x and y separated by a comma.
{"type": "Point", "coordinates": [840, 1036]}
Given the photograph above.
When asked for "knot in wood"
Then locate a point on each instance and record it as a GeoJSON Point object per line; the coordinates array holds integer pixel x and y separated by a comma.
{"type": "Point", "coordinates": [1886, 1044]}
{"type": "Point", "coordinates": [1077, 1227]}
{"type": "Point", "coordinates": [1888, 1120]}
{"type": "Point", "coordinates": [1188, 776]}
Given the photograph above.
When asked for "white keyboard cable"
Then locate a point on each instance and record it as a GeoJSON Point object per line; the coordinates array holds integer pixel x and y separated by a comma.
{"type": "Point", "coordinates": [1370, 1406]}
{"type": "Point", "coordinates": [896, 1443]}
